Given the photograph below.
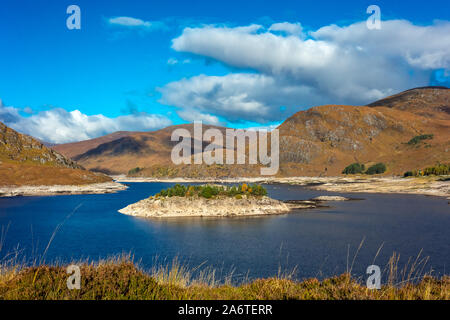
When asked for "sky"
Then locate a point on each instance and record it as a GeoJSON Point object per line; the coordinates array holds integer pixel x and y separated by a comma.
{"type": "Point", "coordinates": [143, 65]}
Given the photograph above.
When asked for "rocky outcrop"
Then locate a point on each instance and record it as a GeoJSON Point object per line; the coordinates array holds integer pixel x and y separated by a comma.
{"type": "Point", "coordinates": [23, 148]}
{"type": "Point", "coordinates": [200, 207]}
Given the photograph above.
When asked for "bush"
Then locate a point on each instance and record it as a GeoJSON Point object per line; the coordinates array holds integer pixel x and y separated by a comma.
{"type": "Point", "coordinates": [134, 171]}
{"type": "Point", "coordinates": [437, 170]}
{"type": "Point", "coordinates": [354, 168]}
{"type": "Point", "coordinates": [408, 174]}
{"type": "Point", "coordinates": [209, 191]}
{"type": "Point", "coordinates": [258, 190]}
{"type": "Point", "coordinates": [417, 139]}
{"type": "Point", "coordinates": [376, 168]}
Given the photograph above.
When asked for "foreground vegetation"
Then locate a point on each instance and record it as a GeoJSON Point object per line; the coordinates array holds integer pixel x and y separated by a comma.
{"type": "Point", "coordinates": [121, 279]}
{"type": "Point", "coordinates": [210, 191]}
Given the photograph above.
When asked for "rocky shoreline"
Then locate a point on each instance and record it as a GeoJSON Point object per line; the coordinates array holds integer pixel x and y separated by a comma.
{"type": "Point", "coordinates": [95, 188]}
{"type": "Point", "coordinates": [200, 207]}
{"type": "Point", "coordinates": [355, 184]}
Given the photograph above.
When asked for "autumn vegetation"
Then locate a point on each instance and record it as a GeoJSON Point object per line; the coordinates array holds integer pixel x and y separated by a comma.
{"type": "Point", "coordinates": [211, 191]}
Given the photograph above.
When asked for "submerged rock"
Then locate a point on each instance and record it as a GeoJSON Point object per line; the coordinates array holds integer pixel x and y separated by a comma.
{"type": "Point", "coordinates": [331, 198]}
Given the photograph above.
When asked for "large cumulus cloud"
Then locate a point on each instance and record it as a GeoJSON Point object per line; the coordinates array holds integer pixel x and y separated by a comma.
{"type": "Point", "coordinates": [294, 69]}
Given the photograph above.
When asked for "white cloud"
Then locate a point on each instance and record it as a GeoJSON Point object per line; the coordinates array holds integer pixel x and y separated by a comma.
{"type": "Point", "coordinates": [130, 22]}
{"type": "Point", "coordinates": [60, 126]}
{"type": "Point", "coordinates": [236, 97]}
{"type": "Point", "coordinates": [348, 65]}
{"type": "Point", "coordinates": [289, 28]}
{"type": "Point", "coordinates": [424, 47]}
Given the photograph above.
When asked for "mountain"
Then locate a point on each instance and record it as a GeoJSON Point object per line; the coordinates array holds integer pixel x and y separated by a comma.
{"type": "Point", "coordinates": [319, 141]}
{"type": "Point", "coordinates": [26, 161]}
{"type": "Point", "coordinates": [128, 150]}
{"type": "Point", "coordinates": [76, 148]}
{"type": "Point", "coordinates": [431, 102]}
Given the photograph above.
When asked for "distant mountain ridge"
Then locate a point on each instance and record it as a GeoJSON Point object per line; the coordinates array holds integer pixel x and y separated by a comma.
{"type": "Point", "coordinates": [318, 141]}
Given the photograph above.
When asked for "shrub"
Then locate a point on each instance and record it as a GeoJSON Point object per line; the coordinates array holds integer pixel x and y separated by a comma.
{"type": "Point", "coordinates": [354, 168]}
{"type": "Point", "coordinates": [209, 191]}
{"type": "Point", "coordinates": [134, 171]}
{"type": "Point", "coordinates": [376, 168]}
{"type": "Point", "coordinates": [408, 174]}
{"type": "Point", "coordinates": [258, 190]}
{"type": "Point", "coordinates": [417, 139]}
{"type": "Point", "coordinates": [437, 170]}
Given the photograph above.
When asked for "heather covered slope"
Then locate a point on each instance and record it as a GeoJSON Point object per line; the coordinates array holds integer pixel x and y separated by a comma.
{"type": "Point", "coordinates": [319, 141]}
{"type": "Point", "coordinates": [26, 161]}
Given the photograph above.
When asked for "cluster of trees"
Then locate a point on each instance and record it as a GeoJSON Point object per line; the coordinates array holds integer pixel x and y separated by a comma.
{"type": "Point", "coordinates": [210, 191]}
{"type": "Point", "coordinates": [417, 139]}
{"type": "Point", "coordinates": [358, 168]}
{"type": "Point", "coordinates": [438, 170]}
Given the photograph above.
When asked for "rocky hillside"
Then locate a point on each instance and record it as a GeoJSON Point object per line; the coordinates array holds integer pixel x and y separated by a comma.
{"type": "Point", "coordinates": [320, 141]}
{"type": "Point", "coordinates": [26, 161]}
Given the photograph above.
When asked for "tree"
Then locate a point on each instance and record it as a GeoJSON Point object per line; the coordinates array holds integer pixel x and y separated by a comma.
{"type": "Point", "coordinates": [376, 168]}
{"type": "Point", "coordinates": [354, 168]}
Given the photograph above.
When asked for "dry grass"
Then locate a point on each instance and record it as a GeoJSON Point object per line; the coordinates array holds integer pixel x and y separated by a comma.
{"type": "Point", "coordinates": [120, 278]}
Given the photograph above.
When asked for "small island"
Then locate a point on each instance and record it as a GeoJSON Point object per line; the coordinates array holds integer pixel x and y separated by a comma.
{"type": "Point", "coordinates": [208, 201]}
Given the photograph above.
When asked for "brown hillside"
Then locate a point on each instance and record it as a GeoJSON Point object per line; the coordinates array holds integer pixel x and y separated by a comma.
{"type": "Point", "coordinates": [137, 149]}
{"type": "Point", "coordinates": [71, 150]}
{"type": "Point", "coordinates": [26, 161]}
{"type": "Point", "coordinates": [431, 102]}
{"type": "Point", "coordinates": [323, 140]}
{"type": "Point", "coordinates": [319, 141]}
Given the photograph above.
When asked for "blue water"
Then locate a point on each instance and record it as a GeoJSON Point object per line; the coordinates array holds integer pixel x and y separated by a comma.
{"type": "Point", "coordinates": [315, 241]}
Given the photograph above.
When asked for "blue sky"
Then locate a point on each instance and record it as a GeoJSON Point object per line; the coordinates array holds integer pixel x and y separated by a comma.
{"type": "Point", "coordinates": [171, 62]}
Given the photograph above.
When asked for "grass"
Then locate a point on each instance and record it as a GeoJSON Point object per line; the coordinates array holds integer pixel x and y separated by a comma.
{"type": "Point", "coordinates": [120, 278]}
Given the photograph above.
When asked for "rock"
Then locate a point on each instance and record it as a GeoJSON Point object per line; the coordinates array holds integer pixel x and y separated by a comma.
{"type": "Point", "coordinates": [197, 206]}
{"type": "Point", "coordinates": [330, 198]}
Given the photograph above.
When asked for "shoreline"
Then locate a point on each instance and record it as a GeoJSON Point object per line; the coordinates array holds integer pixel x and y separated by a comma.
{"type": "Point", "coordinates": [357, 184]}
{"type": "Point", "coordinates": [429, 186]}
{"type": "Point", "coordinates": [52, 190]}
